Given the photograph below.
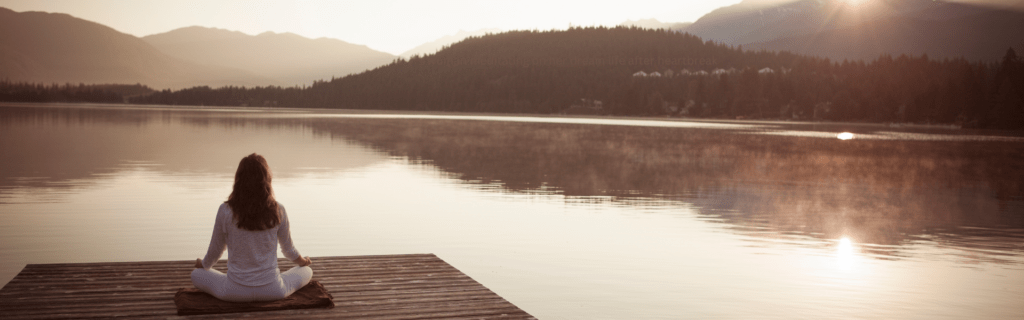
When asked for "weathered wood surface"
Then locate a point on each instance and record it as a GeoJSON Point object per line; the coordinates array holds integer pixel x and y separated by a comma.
{"type": "Point", "coordinates": [392, 287]}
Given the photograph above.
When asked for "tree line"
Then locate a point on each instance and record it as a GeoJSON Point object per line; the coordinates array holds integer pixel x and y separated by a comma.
{"type": "Point", "coordinates": [13, 91]}
{"type": "Point", "coordinates": [592, 70]}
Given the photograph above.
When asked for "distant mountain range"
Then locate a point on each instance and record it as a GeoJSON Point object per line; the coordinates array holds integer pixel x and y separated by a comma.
{"type": "Point", "coordinates": [867, 28]}
{"type": "Point", "coordinates": [61, 49]}
{"type": "Point", "coordinates": [58, 48]}
{"type": "Point", "coordinates": [436, 45]}
{"type": "Point", "coordinates": [862, 29]}
{"type": "Point", "coordinates": [655, 24]}
{"type": "Point", "coordinates": [287, 58]}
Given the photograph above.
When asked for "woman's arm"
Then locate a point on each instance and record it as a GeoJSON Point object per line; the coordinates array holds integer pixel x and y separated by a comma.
{"type": "Point", "coordinates": [284, 237]}
{"type": "Point", "coordinates": [218, 242]}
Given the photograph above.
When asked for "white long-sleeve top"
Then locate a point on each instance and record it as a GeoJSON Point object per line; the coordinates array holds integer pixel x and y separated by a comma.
{"type": "Point", "coordinates": [252, 255]}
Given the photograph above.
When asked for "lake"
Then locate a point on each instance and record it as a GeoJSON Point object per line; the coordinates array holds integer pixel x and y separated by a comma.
{"type": "Point", "coordinates": [568, 218]}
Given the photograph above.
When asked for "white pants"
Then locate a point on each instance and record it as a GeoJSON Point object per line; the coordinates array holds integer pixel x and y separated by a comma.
{"type": "Point", "coordinates": [217, 284]}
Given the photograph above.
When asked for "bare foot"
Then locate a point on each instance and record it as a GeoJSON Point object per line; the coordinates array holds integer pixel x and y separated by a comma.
{"type": "Point", "coordinates": [199, 263]}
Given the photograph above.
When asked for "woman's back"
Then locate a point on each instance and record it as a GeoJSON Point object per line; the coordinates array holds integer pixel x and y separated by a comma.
{"type": "Point", "coordinates": [252, 255]}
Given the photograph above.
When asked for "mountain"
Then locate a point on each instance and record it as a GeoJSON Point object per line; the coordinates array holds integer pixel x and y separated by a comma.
{"type": "Point", "coordinates": [288, 58]}
{"type": "Point", "coordinates": [842, 29]}
{"type": "Point", "coordinates": [755, 21]}
{"type": "Point", "coordinates": [436, 45]}
{"type": "Point", "coordinates": [655, 24]}
{"type": "Point", "coordinates": [984, 36]}
{"type": "Point", "coordinates": [58, 48]}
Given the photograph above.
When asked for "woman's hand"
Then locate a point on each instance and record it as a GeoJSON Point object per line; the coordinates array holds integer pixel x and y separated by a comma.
{"type": "Point", "coordinates": [199, 263]}
{"type": "Point", "coordinates": [303, 261]}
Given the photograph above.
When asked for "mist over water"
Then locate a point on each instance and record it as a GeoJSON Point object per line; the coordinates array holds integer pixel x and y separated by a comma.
{"type": "Point", "coordinates": [568, 218]}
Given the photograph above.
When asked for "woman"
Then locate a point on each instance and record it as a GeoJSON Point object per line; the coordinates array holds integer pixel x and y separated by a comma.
{"type": "Point", "coordinates": [250, 225]}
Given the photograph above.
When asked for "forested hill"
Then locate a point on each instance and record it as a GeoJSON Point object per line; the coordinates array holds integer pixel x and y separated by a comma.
{"type": "Point", "coordinates": [529, 71]}
{"type": "Point", "coordinates": [519, 71]}
{"type": "Point", "coordinates": [594, 70]}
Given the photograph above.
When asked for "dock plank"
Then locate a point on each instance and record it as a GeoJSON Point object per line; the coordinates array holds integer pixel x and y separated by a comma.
{"type": "Point", "coordinates": [386, 287]}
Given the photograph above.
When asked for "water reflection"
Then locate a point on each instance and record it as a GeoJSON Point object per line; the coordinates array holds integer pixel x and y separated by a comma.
{"type": "Point", "coordinates": [896, 136]}
{"type": "Point", "coordinates": [567, 220]}
{"type": "Point", "coordinates": [59, 148]}
{"type": "Point", "coordinates": [845, 253]}
{"type": "Point", "coordinates": [885, 194]}
{"type": "Point", "coordinates": [771, 185]}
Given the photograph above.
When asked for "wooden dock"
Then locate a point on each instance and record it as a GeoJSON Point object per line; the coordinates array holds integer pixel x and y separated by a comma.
{"type": "Point", "coordinates": [392, 287]}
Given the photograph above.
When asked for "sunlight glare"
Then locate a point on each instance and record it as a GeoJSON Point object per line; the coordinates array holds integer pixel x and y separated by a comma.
{"type": "Point", "coordinates": [845, 136]}
{"type": "Point", "coordinates": [845, 246]}
{"type": "Point", "coordinates": [845, 253]}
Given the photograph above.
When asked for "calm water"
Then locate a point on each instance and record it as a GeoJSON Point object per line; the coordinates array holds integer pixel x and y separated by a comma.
{"type": "Point", "coordinates": [566, 218]}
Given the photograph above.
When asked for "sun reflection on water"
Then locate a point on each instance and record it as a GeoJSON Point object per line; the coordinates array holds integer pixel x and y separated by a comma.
{"type": "Point", "coordinates": [845, 247]}
{"type": "Point", "coordinates": [845, 136]}
{"type": "Point", "coordinates": [845, 253]}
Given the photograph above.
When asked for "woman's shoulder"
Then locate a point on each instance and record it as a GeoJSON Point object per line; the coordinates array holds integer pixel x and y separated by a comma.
{"type": "Point", "coordinates": [224, 210]}
{"type": "Point", "coordinates": [282, 213]}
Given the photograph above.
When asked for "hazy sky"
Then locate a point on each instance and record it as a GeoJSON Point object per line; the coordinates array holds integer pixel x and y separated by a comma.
{"type": "Point", "coordinates": [386, 25]}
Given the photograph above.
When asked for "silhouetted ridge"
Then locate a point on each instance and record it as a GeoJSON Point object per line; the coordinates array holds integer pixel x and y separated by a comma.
{"type": "Point", "coordinates": [433, 46]}
{"type": "Point", "coordinates": [58, 48]}
{"type": "Point", "coordinates": [287, 58]}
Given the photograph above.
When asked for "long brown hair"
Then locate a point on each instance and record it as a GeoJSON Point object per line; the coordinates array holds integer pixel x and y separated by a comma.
{"type": "Point", "coordinates": [252, 198]}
